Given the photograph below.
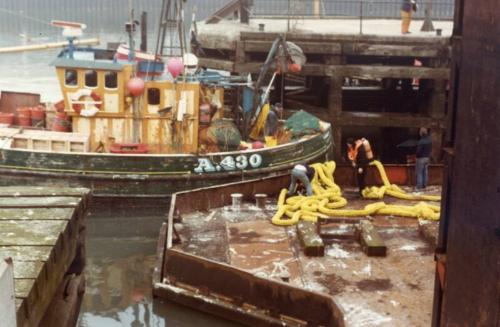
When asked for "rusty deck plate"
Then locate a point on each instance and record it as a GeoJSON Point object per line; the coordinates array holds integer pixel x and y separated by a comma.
{"type": "Point", "coordinates": [394, 290]}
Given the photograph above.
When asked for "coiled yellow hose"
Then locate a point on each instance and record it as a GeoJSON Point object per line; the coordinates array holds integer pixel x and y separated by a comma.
{"type": "Point", "coordinates": [327, 200]}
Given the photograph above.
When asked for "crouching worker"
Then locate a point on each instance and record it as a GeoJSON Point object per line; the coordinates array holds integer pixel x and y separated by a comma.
{"type": "Point", "coordinates": [303, 173]}
{"type": "Point", "coordinates": [360, 154]}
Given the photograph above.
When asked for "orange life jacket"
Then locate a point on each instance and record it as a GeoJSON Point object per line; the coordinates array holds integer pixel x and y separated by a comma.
{"type": "Point", "coordinates": [352, 152]}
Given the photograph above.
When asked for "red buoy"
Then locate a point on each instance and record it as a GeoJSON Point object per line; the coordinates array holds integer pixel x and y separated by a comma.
{"type": "Point", "coordinates": [135, 86]}
{"type": "Point", "coordinates": [175, 66]}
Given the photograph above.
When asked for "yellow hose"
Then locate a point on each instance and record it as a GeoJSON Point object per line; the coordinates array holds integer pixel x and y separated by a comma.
{"type": "Point", "coordinates": [327, 200]}
{"type": "Point", "coordinates": [375, 192]}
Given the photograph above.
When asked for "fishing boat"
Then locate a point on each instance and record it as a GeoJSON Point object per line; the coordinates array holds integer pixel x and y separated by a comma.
{"type": "Point", "coordinates": [137, 124]}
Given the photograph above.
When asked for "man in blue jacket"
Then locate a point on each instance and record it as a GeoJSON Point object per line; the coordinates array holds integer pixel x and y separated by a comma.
{"type": "Point", "coordinates": [424, 149]}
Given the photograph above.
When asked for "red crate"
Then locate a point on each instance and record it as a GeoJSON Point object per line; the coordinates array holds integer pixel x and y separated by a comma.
{"type": "Point", "coordinates": [129, 148]}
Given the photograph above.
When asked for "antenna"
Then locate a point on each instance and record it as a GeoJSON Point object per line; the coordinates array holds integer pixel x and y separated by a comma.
{"type": "Point", "coordinates": [71, 30]}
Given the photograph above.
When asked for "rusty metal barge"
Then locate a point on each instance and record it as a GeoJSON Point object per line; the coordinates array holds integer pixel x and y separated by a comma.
{"type": "Point", "coordinates": [231, 261]}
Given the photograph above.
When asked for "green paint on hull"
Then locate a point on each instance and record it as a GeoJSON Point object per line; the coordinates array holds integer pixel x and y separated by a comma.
{"type": "Point", "coordinates": [150, 175]}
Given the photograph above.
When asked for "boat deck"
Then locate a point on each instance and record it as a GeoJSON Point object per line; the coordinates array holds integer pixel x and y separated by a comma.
{"type": "Point", "coordinates": [42, 231]}
{"type": "Point", "coordinates": [396, 289]}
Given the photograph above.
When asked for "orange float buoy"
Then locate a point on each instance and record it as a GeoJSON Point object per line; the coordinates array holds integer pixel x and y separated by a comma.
{"type": "Point", "coordinates": [7, 118]}
{"type": "Point", "coordinates": [23, 116]}
{"type": "Point", "coordinates": [38, 116]}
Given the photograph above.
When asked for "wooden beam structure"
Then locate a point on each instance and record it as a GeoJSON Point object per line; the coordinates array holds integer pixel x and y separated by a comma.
{"type": "Point", "coordinates": [333, 60]}
{"type": "Point", "coordinates": [376, 71]}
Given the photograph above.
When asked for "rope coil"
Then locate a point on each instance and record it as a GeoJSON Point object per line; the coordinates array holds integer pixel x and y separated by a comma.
{"type": "Point", "coordinates": [327, 200]}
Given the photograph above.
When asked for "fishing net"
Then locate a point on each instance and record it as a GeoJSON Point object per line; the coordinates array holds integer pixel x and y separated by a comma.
{"type": "Point", "coordinates": [302, 123]}
{"type": "Point", "coordinates": [224, 134]}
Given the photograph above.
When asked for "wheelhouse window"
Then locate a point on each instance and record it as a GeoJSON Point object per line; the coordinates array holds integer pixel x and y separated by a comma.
{"type": "Point", "coordinates": [154, 96]}
{"type": "Point", "coordinates": [111, 80]}
{"type": "Point", "coordinates": [91, 78]}
{"type": "Point", "coordinates": [70, 77]}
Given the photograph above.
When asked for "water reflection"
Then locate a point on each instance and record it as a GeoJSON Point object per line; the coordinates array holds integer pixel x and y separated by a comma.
{"type": "Point", "coordinates": [121, 246]}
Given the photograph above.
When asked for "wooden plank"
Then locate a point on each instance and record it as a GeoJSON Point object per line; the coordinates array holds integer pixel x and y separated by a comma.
{"type": "Point", "coordinates": [310, 240]}
{"type": "Point", "coordinates": [23, 287]}
{"type": "Point", "coordinates": [217, 64]}
{"type": "Point", "coordinates": [370, 240]}
{"type": "Point", "coordinates": [217, 42]}
{"type": "Point", "coordinates": [31, 232]}
{"type": "Point", "coordinates": [309, 69]}
{"type": "Point", "coordinates": [374, 72]}
{"type": "Point", "coordinates": [26, 253]}
{"type": "Point", "coordinates": [307, 47]}
{"type": "Point", "coordinates": [367, 49]}
{"type": "Point", "coordinates": [359, 71]}
{"type": "Point", "coordinates": [36, 213]}
{"type": "Point", "coordinates": [27, 269]}
{"type": "Point", "coordinates": [37, 202]}
{"type": "Point", "coordinates": [20, 191]}
{"type": "Point", "coordinates": [386, 120]}
{"type": "Point", "coordinates": [321, 37]}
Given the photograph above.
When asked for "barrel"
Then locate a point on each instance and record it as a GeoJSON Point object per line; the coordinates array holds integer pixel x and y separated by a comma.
{"type": "Point", "coordinates": [6, 118]}
{"type": "Point", "coordinates": [24, 116]}
{"type": "Point", "coordinates": [61, 123]}
{"type": "Point", "coordinates": [38, 116]}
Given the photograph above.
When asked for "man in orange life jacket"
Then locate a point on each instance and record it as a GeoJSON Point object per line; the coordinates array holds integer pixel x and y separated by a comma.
{"type": "Point", "coordinates": [360, 154]}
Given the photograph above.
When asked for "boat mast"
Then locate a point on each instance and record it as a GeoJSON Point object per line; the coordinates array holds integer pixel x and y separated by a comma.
{"type": "Point", "coordinates": [171, 26]}
{"type": "Point", "coordinates": [136, 103]}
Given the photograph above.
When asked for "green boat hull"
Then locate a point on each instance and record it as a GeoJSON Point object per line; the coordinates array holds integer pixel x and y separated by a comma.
{"type": "Point", "coordinates": [154, 175]}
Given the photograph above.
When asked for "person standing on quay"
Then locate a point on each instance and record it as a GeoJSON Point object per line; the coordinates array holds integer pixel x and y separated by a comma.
{"type": "Point", "coordinates": [407, 6]}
